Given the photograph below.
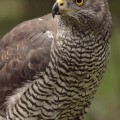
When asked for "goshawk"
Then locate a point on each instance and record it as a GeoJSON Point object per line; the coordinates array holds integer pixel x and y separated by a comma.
{"type": "Point", "coordinates": [57, 64]}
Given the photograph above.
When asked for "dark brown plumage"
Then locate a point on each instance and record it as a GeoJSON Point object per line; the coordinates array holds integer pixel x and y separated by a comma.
{"type": "Point", "coordinates": [23, 53]}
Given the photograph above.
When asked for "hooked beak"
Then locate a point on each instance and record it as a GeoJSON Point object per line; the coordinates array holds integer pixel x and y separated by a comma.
{"type": "Point", "coordinates": [61, 8]}
{"type": "Point", "coordinates": [58, 7]}
{"type": "Point", "coordinates": [55, 9]}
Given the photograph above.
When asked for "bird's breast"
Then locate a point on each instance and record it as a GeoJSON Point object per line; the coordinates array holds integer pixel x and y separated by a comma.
{"type": "Point", "coordinates": [78, 67]}
{"type": "Point", "coordinates": [77, 56]}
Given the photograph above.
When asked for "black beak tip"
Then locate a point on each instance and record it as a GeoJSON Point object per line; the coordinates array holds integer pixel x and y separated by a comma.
{"type": "Point", "coordinates": [55, 9]}
{"type": "Point", "coordinates": [53, 14]}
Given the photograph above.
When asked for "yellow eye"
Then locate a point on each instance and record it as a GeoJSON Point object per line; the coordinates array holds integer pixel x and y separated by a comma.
{"type": "Point", "coordinates": [79, 2]}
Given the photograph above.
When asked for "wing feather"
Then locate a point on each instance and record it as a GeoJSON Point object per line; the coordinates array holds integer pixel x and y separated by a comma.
{"type": "Point", "coordinates": [24, 51]}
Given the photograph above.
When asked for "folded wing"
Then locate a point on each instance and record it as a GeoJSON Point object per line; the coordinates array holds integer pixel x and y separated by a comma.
{"type": "Point", "coordinates": [23, 52]}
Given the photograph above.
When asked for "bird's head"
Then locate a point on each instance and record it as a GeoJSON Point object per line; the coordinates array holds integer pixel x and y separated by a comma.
{"type": "Point", "coordinates": [82, 10]}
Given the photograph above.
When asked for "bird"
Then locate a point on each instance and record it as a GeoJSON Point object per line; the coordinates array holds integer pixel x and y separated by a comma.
{"type": "Point", "coordinates": [51, 67]}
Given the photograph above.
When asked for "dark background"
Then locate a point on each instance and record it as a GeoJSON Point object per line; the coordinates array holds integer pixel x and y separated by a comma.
{"type": "Point", "coordinates": [106, 105]}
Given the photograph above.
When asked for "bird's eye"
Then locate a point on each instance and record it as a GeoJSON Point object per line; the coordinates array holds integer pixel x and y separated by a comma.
{"type": "Point", "coordinates": [79, 2]}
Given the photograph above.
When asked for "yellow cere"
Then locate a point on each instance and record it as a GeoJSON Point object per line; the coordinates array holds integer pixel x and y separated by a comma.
{"type": "Point", "coordinates": [60, 1]}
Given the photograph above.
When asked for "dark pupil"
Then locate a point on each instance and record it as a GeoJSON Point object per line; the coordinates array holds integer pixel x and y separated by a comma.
{"type": "Point", "coordinates": [79, 1]}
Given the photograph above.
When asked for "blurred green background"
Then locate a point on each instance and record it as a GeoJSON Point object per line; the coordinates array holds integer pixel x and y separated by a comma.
{"type": "Point", "coordinates": [106, 105]}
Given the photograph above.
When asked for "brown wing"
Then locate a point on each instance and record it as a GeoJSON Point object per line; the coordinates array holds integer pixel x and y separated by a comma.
{"type": "Point", "coordinates": [23, 52]}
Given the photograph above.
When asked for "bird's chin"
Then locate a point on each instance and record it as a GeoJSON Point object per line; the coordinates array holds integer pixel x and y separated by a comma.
{"type": "Point", "coordinates": [67, 12]}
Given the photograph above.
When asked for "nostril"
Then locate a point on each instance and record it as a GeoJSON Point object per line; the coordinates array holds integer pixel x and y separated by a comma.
{"type": "Point", "coordinates": [61, 4]}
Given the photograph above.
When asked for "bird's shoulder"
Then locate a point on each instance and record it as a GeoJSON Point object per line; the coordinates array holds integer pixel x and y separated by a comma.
{"type": "Point", "coordinates": [24, 51]}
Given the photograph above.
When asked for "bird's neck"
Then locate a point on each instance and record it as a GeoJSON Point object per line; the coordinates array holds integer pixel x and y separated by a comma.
{"type": "Point", "coordinates": [67, 29]}
{"type": "Point", "coordinates": [70, 29]}
{"type": "Point", "coordinates": [67, 24]}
